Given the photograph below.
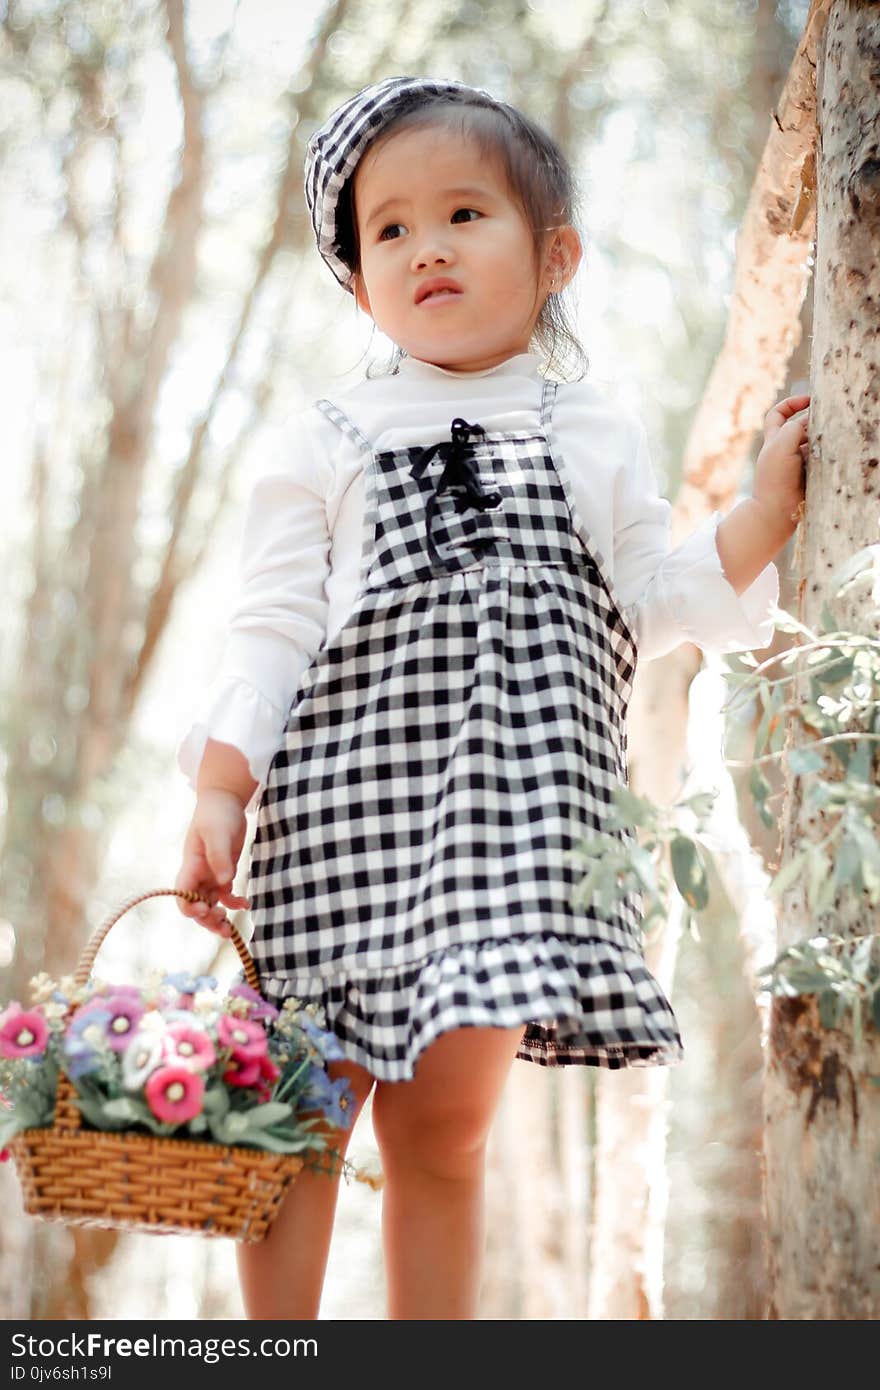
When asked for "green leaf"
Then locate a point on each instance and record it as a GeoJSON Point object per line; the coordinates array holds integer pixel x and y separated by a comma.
{"type": "Point", "coordinates": [827, 619]}
{"type": "Point", "coordinates": [847, 863]}
{"type": "Point", "coordinates": [802, 761]}
{"type": "Point", "coordinates": [95, 1113]}
{"type": "Point", "coordinates": [771, 708]}
{"type": "Point", "coordinates": [828, 1008]}
{"type": "Point", "coordinates": [860, 762]}
{"type": "Point", "coordinates": [836, 672]}
{"type": "Point", "coordinates": [817, 873]}
{"type": "Point", "coordinates": [860, 961]}
{"type": "Point", "coordinates": [787, 874]}
{"type": "Point", "coordinates": [262, 1116]}
{"type": "Point", "coordinates": [216, 1101]}
{"type": "Point", "coordinates": [276, 1143]}
{"type": "Point", "coordinates": [760, 789]}
{"type": "Point", "coordinates": [689, 871]}
{"type": "Point", "coordinates": [860, 561]}
{"type": "Point", "coordinates": [636, 809]}
{"type": "Point", "coordinates": [701, 803]}
{"type": "Point", "coordinates": [122, 1109]}
{"type": "Point", "coordinates": [857, 1018]}
{"type": "Point", "coordinates": [644, 867]}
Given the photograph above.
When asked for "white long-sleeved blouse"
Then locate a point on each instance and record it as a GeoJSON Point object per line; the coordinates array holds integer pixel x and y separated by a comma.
{"type": "Point", "coordinates": [300, 550]}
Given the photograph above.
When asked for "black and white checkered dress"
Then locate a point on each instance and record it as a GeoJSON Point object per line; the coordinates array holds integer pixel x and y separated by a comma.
{"type": "Point", "coordinates": [459, 734]}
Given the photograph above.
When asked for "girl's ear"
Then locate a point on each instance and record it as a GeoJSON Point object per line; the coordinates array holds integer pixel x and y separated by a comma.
{"type": "Point", "coordinates": [563, 258]}
{"type": "Point", "coordinates": [360, 293]}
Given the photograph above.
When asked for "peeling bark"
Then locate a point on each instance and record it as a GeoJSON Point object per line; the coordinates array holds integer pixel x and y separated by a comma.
{"type": "Point", "coordinates": [822, 1116]}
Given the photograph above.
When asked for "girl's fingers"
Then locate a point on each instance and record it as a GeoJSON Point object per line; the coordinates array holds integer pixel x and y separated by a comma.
{"type": "Point", "coordinates": [233, 900]}
{"type": "Point", "coordinates": [785, 409]}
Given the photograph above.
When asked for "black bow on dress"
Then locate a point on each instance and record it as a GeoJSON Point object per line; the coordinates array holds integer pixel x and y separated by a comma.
{"type": "Point", "coordinates": [460, 471]}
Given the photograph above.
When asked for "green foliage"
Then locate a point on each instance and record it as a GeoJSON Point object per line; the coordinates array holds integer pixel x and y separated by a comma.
{"type": "Point", "coordinates": [829, 698]}
{"type": "Point", "coordinates": [843, 973]}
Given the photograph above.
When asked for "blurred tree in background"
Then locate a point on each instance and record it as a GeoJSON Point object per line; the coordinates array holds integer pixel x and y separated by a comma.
{"type": "Point", "coordinates": [165, 312]}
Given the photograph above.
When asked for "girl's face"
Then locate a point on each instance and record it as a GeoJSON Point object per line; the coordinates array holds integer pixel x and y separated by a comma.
{"type": "Point", "coordinates": [430, 205]}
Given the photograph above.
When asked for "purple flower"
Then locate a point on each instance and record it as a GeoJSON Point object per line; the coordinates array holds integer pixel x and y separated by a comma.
{"type": "Point", "coordinates": [117, 1013]}
{"type": "Point", "coordinates": [327, 1043]}
{"type": "Point", "coordinates": [80, 1057]}
{"type": "Point", "coordinates": [259, 1008]}
{"type": "Point", "coordinates": [334, 1098]}
{"type": "Point", "coordinates": [80, 1050]}
{"type": "Point", "coordinates": [190, 984]}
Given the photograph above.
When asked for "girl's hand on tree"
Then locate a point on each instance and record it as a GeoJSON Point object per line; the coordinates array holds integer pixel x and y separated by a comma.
{"type": "Point", "coordinates": [780, 470]}
{"type": "Point", "coordinates": [211, 851]}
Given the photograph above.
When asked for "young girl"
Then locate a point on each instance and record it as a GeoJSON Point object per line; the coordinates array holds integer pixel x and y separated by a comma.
{"type": "Point", "coordinates": [445, 588]}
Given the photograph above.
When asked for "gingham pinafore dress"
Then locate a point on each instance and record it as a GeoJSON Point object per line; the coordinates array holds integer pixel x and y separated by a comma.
{"type": "Point", "coordinates": [444, 751]}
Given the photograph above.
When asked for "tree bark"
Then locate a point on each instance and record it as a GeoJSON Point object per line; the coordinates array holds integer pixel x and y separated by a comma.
{"type": "Point", "coordinates": [822, 1119]}
{"type": "Point", "coordinates": [770, 280]}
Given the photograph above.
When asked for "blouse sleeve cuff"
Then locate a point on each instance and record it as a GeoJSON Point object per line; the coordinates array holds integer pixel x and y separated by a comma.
{"type": "Point", "coordinates": [234, 712]}
{"type": "Point", "coordinates": [701, 600]}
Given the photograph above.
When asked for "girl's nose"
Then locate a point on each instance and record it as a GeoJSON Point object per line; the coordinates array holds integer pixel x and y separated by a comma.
{"type": "Point", "coordinates": [431, 251]}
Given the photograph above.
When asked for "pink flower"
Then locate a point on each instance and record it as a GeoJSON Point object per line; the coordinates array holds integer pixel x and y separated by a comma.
{"type": "Point", "coordinates": [244, 1072]}
{"type": "Point", "coordinates": [191, 1046]}
{"type": "Point", "coordinates": [269, 1073]}
{"type": "Point", "coordinates": [174, 1093]}
{"type": "Point", "coordinates": [23, 1032]}
{"type": "Point", "coordinates": [253, 1071]}
{"type": "Point", "coordinates": [5, 1155]}
{"type": "Point", "coordinates": [247, 1040]}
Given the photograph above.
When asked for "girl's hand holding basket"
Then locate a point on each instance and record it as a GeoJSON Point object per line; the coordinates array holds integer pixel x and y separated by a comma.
{"type": "Point", "coordinates": [211, 851]}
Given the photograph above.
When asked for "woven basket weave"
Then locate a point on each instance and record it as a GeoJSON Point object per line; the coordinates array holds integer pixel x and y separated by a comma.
{"type": "Point", "coordinates": [142, 1182]}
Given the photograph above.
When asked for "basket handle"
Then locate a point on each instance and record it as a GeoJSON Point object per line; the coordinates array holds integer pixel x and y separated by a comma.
{"type": "Point", "coordinates": [87, 959]}
{"type": "Point", "coordinates": [67, 1114]}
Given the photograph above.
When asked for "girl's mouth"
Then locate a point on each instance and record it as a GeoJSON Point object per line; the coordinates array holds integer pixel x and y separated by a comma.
{"type": "Point", "coordinates": [439, 297]}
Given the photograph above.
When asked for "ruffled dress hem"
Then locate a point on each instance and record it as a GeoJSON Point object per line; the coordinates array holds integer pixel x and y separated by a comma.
{"type": "Point", "coordinates": [579, 1001]}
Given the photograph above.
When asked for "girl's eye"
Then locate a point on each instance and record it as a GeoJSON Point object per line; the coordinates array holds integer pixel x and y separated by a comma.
{"type": "Point", "coordinates": [391, 225]}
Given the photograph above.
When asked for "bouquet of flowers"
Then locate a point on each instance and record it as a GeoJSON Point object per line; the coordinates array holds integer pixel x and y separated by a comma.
{"type": "Point", "coordinates": [173, 1059]}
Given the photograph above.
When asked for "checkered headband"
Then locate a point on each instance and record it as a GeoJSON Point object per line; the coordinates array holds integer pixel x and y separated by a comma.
{"type": "Point", "coordinates": [335, 148]}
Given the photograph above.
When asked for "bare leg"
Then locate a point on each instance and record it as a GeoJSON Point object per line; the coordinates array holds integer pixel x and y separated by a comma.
{"type": "Point", "coordinates": [432, 1134]}
{"type": "Point", "coordinates": [282, 1276]}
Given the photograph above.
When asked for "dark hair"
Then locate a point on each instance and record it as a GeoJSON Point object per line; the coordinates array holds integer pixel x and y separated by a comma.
{"type": "Point", "coordinates": [538, 176]}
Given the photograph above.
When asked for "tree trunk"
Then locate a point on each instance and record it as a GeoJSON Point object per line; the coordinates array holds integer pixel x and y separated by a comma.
{"type": "Point", "coordinates": [632, 1105]}
{"type": "Point", "coordinates": [822, 1115]}
{"type": "Point", "coordinates": [769, 283]}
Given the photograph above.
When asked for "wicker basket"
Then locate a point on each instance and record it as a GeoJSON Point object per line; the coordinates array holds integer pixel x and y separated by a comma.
{"type": "Point", "coordinates": [142, 1182]}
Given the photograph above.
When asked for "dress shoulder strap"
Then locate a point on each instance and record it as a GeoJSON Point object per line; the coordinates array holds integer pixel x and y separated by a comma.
{"type": "Point", "coordinates": [548, 396]}
{"type": "Point", "coordinates": [341, 420]}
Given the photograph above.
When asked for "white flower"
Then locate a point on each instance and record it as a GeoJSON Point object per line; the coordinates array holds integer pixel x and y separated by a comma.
{"type": "Point", "coordinates": [204, 1001]}
{"type": "Point", "coordinates": [42, 987]}
{"type": "Point", "coordinates": [140, 1058]}
{"type": "Point", "coordinates": [54, 1010]}
{"type": "Point", "coordinates": [152, 1022]}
